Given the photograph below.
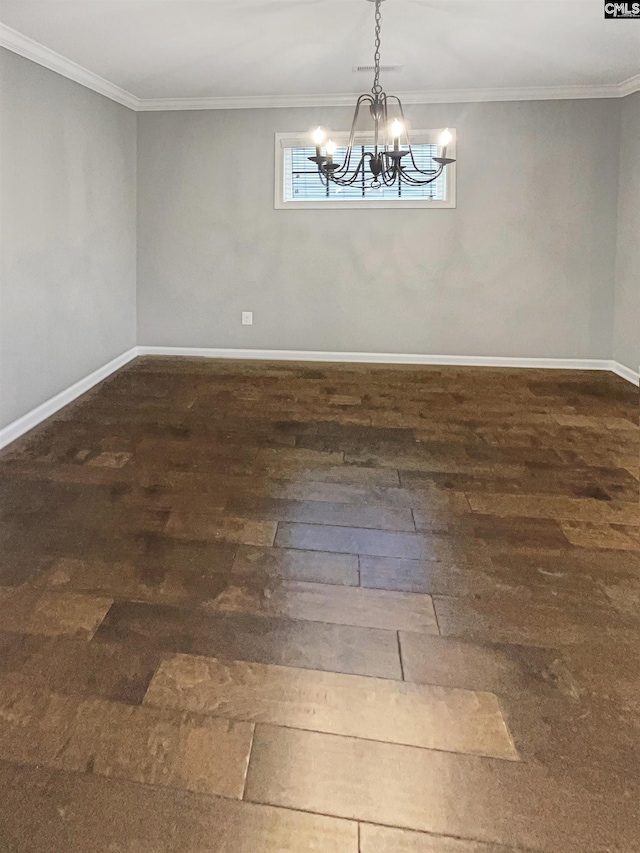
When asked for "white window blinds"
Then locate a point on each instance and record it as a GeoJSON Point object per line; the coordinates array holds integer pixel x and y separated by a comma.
{"type": "Point", "coordinates": [302, 182]}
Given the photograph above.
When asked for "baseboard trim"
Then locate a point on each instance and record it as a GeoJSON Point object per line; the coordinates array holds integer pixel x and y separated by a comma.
{"type": "Point", "coordinates": [395, 358]}
{"type": "Point", "coordinates": [27, 422]}
{"type": "Point", "coordinates": [625, 372]}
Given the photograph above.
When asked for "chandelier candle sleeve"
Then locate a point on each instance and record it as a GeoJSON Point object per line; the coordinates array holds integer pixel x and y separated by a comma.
{"type": "Point", "coordinates": [396, 130]}
{"type": "Point", "coordinates": [388, 164]}
{"type": "Point", "coordinates": [318, 138]}
{"type": "Point", "coordinates": [445, 139]}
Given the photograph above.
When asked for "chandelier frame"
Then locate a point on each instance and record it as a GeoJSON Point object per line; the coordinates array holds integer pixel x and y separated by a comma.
{"type": "Point", "coordinates": [385, 161]}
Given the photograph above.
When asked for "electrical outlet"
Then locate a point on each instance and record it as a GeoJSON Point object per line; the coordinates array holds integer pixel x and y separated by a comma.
{"type": "Point", "coordinates": [247, 318]}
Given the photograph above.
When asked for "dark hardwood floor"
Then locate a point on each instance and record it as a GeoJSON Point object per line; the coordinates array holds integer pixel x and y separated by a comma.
{"type": "Point", "coordinates": [276, 608]}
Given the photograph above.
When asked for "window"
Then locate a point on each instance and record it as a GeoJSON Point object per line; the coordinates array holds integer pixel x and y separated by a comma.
{"type": "Point", "coordinates": [298, 184]}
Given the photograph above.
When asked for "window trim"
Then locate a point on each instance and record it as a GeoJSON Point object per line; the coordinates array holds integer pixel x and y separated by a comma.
{"type": "Point", "coordinates": [418, 137]}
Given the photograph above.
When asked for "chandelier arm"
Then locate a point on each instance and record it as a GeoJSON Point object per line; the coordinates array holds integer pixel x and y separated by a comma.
{"type": "Point", "coordinates": [389, 177]}
{"type": "Point", "coordinates": [361, 100]}
{"type": "Point", "coordinates": [415, 165]}
{"type": "Point", "coordinates": [429, 173]}
{"type": "Point", "coordinates": [410, 179]}
{"type": "Point", "coordinates": [347, 182]}
{"type": "Point", "coordinates": [344, 169]}
{"type": "Point", "coordinates": [385, 114]}
{"type": "Point", "coordinates": [390, 174]}
{"type": "Point", "coordinates": [438, 172]}
{"type": "Point", "coordinates": [338, 175]}
{"type": "Point", "coordinates": [338, 172]}
{"type": "Point", "coordinates": [361, 169]}
{"type": "Point", "coordinates": [401, 109]}
{"type": "Point", "coordinates": [410, 183]}
{"type": "Point", "coordinates": [413, 161]}
{"type": "Point", "coordinates": [367, 98]}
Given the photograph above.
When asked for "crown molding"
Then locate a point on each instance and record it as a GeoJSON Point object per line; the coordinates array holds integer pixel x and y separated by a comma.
{"type": "Point", "coordinates": [30, 49]}
{"type": "Point", "coordinates": [27, 47]}
{"type": "Point", "coordinates": [442, 96]}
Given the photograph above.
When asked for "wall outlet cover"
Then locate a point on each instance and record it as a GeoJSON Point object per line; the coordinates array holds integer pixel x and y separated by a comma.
{"type": "Point", "coordinates": [247, 318]}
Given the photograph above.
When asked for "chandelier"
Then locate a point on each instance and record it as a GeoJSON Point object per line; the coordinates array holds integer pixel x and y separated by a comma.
{"type": "Point", "coordinates": [390, 161]}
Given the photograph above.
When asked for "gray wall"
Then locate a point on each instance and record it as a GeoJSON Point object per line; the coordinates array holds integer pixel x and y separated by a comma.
{"type": "Point", "coordinates": [626, 343]}
{"type": "Point", "coordinates": [527, 265]}
{"type": "Point", "coordinates": [67, 206]}
{"type": "Point", "coordinates": [523, 267]}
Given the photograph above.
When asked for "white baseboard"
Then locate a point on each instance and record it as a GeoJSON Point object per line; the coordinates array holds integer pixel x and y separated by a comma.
{"type": "Point", "coordinates": [14, 430]}
{"type": "Point", "coordinates": [625, 372]}
{"type": "Point", "coordinates": [19, 427]}
{"type": "Point", "coordinates": [397, 358]}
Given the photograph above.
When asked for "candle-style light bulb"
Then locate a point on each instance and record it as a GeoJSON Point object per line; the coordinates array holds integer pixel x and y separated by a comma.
{"type": "Point", "coordinates": [444, 140]}
{"type": "Point", "coordinates": [397, 129]}
{"type": "Point", "coordinates": [330, 148]}
{"type": "Point", "coordinates": [318, 136]}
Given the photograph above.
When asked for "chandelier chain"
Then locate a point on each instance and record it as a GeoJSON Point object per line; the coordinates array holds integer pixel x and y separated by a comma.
{"type": "Point", "coordinates": [376, 89]}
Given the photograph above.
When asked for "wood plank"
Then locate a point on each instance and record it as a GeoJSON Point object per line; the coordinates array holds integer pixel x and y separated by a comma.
{"type": "Point", "coordinates": [73, 667]}
{"type": "Point", "coordinates": [465, 796]}
{"type": "Point", "coordinates": [60, 812]}
{"type": "Point", "coordinates": [553, 506]}
{"type": "Point", "coordinates": [31, 611]}
{"type": "Point", "coordinates": [317, 602]}
{"type": "Point", "coordinates": [372, 708]}
{"type": "Point", "coordinates": [292, 564]}
{"type": "Point", "coordinates": [309, 645]}
{"type": "Point", "coordinates": [354, 540]}
{"type": "Point", "coordinates": [217, 526]}
{"type": "Point", "coordinates": [451, 662]}
{"type": "Point", "coordinates": [142, 580]}
{"type": "Point", "coordinates": [148, 745]}
{"type": "Point", "coordinates": [592, 535]}
{"type": "Point", "coordinates": [384, 839]}
{"type": "Point", "coordinates": [505, 618]}
{"type": "Point", "coordinates": [404, 575]}
{"type": "Point", "coordinates": [322, 512]}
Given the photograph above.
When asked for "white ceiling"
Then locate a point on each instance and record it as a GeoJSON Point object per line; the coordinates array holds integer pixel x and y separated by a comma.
{"type": "Point", "coordinates": [239, 48]}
